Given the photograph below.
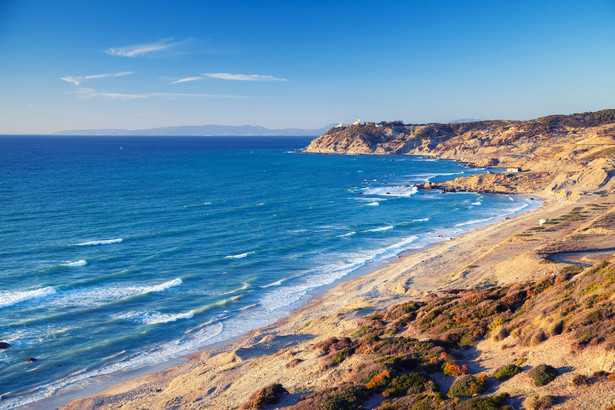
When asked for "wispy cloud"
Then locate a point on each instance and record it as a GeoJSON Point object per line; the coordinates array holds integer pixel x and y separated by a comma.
{"type": "Point", "coordinates": [243, 77]}
{"type": "Point", "coordinates": [85, 93]}
{"type": "Point", "coordinates": [187, 79]}
{"type": "Point", "coordinates": [140, 50]}
{"type": "Point", "coordinates": [80, 78]}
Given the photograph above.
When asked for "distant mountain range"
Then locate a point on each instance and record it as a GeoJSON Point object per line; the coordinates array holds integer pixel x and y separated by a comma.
{"type": "Point", "coordinates": [203, 130]}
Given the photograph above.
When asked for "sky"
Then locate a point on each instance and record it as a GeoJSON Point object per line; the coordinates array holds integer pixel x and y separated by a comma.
{"type": "Point", "coordinates": [84, 64]}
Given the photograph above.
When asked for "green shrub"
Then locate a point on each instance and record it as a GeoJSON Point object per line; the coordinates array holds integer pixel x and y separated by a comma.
{"type": "Point", "coordinates": [581, 380]}
{"type": "Point", "coordinates": [345, 397]}
{"type": "Point", "coordinates": [413, 383]}
{"type": "Point", "coordinates": [468, 386]}
{"type": "Point", "coordinates": [485, 403]}
{"type": "Point", "coordinates": [543, 374]}
{"type": "Point", "coordinates": [338, 357]}
{"type": "Point", "coordinates": [506, 372]}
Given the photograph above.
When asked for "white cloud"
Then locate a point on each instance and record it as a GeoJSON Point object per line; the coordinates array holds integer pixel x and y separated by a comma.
{"type": "Point", "coordinates": [185, 80]}
{"type": "Point", "coordinates": [243, 77]}
{"type": "Point", "coordinates": [85, 93]}
{"type": "Point", "coordinates": [78, 79]}
{"type": "Point", "coordinates": [139, 50]}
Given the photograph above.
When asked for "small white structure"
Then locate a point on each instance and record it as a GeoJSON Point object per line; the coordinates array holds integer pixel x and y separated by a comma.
{"type": "Point", "coordinates": [340, 125]}
{"type": "Point", "coordinates": [357, 122]}
{"type": "Point", "coordinates": [515, 169]}
{"type": "Point", "coordinates": [543, 221]}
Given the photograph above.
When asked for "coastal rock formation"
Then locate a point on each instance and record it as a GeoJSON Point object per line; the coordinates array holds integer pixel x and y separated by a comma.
{"type": "Point", "coordinates": [557, 155]}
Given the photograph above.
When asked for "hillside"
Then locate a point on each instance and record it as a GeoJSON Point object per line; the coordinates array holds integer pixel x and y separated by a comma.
{"type": "Point", "coordinates": [561, 155]}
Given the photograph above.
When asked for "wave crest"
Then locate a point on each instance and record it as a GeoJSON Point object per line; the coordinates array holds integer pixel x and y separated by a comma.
{"type": "Point", "coordinates": [10, 298]}
{"type": "Point", "coordinates": [102, 242]}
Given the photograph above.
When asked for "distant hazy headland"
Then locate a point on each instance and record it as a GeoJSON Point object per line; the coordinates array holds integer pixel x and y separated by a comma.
{"type": "Point", "coordinates": [202, 130]}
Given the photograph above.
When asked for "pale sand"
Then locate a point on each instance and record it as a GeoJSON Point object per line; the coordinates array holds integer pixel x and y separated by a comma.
{"type": "Point", "coordinates": [225, 377]}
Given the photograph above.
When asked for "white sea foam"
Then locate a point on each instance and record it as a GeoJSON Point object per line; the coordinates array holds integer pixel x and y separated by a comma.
{"type": "Point", "coordinates": [103, 242]}
{"type": "Point", "coordinates": [163, 286]}
{"type": "Point", "coordinates": [373, 204]}
{"type": "Point", "coordinates": [277, 283]}
{"type": "Point", "coordinates": [477, 203]}
{"type": "Point", "coordinates": [152, 318]}
{"type": "Point", "coordinates": [381, 229]}
{"type": "Point", "coordinates": [9, 298]}
{"type": "Point", "coordinates": [82, 262]}
{"type": "Point", "coordinates": [98, 296]}
{"type": "Point", "coordinates": [391, 191]}
{"type": "Point", "coordinates": [285, 296]}
{"type": "Point", "coordinates": [475, 221]}
{"type": "Point", "coordinates": [369, 199]}
{"type": "Point", "coordinates": [427, 176]}
{"type": "Point", "coordinates": [240, 256]}
{"type": "Point", "coordinates": [421, 220]}
{"type": "Point", "coordinates": [346, 234]}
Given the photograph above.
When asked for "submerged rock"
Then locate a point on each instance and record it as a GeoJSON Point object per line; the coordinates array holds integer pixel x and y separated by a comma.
{"type": "Point", "coordinates": [4, 345]}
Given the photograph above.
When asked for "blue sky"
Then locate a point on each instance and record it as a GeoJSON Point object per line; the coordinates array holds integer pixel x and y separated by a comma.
{"type": "Point", "coordinates": [145, 64]}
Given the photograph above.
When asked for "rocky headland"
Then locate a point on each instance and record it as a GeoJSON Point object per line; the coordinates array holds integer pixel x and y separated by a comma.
{"type": "Point", "coordinates": [520, 314]}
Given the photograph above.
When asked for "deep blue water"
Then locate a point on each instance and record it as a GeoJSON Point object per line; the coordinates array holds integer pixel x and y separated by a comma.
{"type": "Point", "coordinates": [120, 252]}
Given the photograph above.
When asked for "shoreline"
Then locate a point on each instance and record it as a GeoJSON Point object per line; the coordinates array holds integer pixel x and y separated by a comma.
{"type": "Point", "coordinates": [400, 279]}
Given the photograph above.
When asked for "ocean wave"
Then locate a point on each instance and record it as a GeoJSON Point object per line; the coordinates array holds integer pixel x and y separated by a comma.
{"type": "Point", "coordinates": [394, 191]}
{"type": "Point", "coordinates": [152, 318]}
{"type": "Point", "coordinates": [475, 221]}
{"type": "Point", "coordinates": [373, 204]}
{"type": "Point", "coordinates": [427, 176]}
{"type": "Point", "coordinates": [347, 234]}
{"type": "Point", "coordinates": [421, 220]}
{"type": "Point", "coordinates": [197, 205]}
{"type": "Point", "coordinates": [277, 283]}
{"type": "Point", "coordinates": [9, 298]}
{"type": "Point", "coordinates": [381, 229]}
{"type": "Point", "coordinates": [140, 359]}
{"type": "Point", "coordinates": [240, 256]}
{"type": "Point", "coordinates": [89, 296]}
{"type": "Point", "coordinates": [163, 286]}
{"type": "Point", "coordinates": [477, 203]}
{"type": "Point", "coordinates": [81, 262]}
{"type": "Point", "coordinates": [102, 242]}
{"type": "Point", "coordinates": [288, 295]}
{"type": "Point", "coordinates": [369, 199]}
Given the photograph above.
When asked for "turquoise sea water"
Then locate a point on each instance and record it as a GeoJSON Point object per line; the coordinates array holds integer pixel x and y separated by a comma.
{"type": "Point", "coordinates": [120, 252]}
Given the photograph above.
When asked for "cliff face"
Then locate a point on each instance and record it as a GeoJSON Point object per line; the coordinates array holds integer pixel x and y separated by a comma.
{"type": "Point", "coordinates": [561, 155]}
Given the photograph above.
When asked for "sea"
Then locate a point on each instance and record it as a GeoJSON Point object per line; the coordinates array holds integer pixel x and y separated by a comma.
{"type": "Point", "coordinates": [122, 252]}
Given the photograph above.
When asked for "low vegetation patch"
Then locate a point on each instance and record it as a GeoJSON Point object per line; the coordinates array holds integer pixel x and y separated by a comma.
{"type": "Point", "coordinates": [543, 374]}
{"type": "Point", "coordinates": [506, 372]}
{"type": "Point", "coordinates": [468, 386]}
